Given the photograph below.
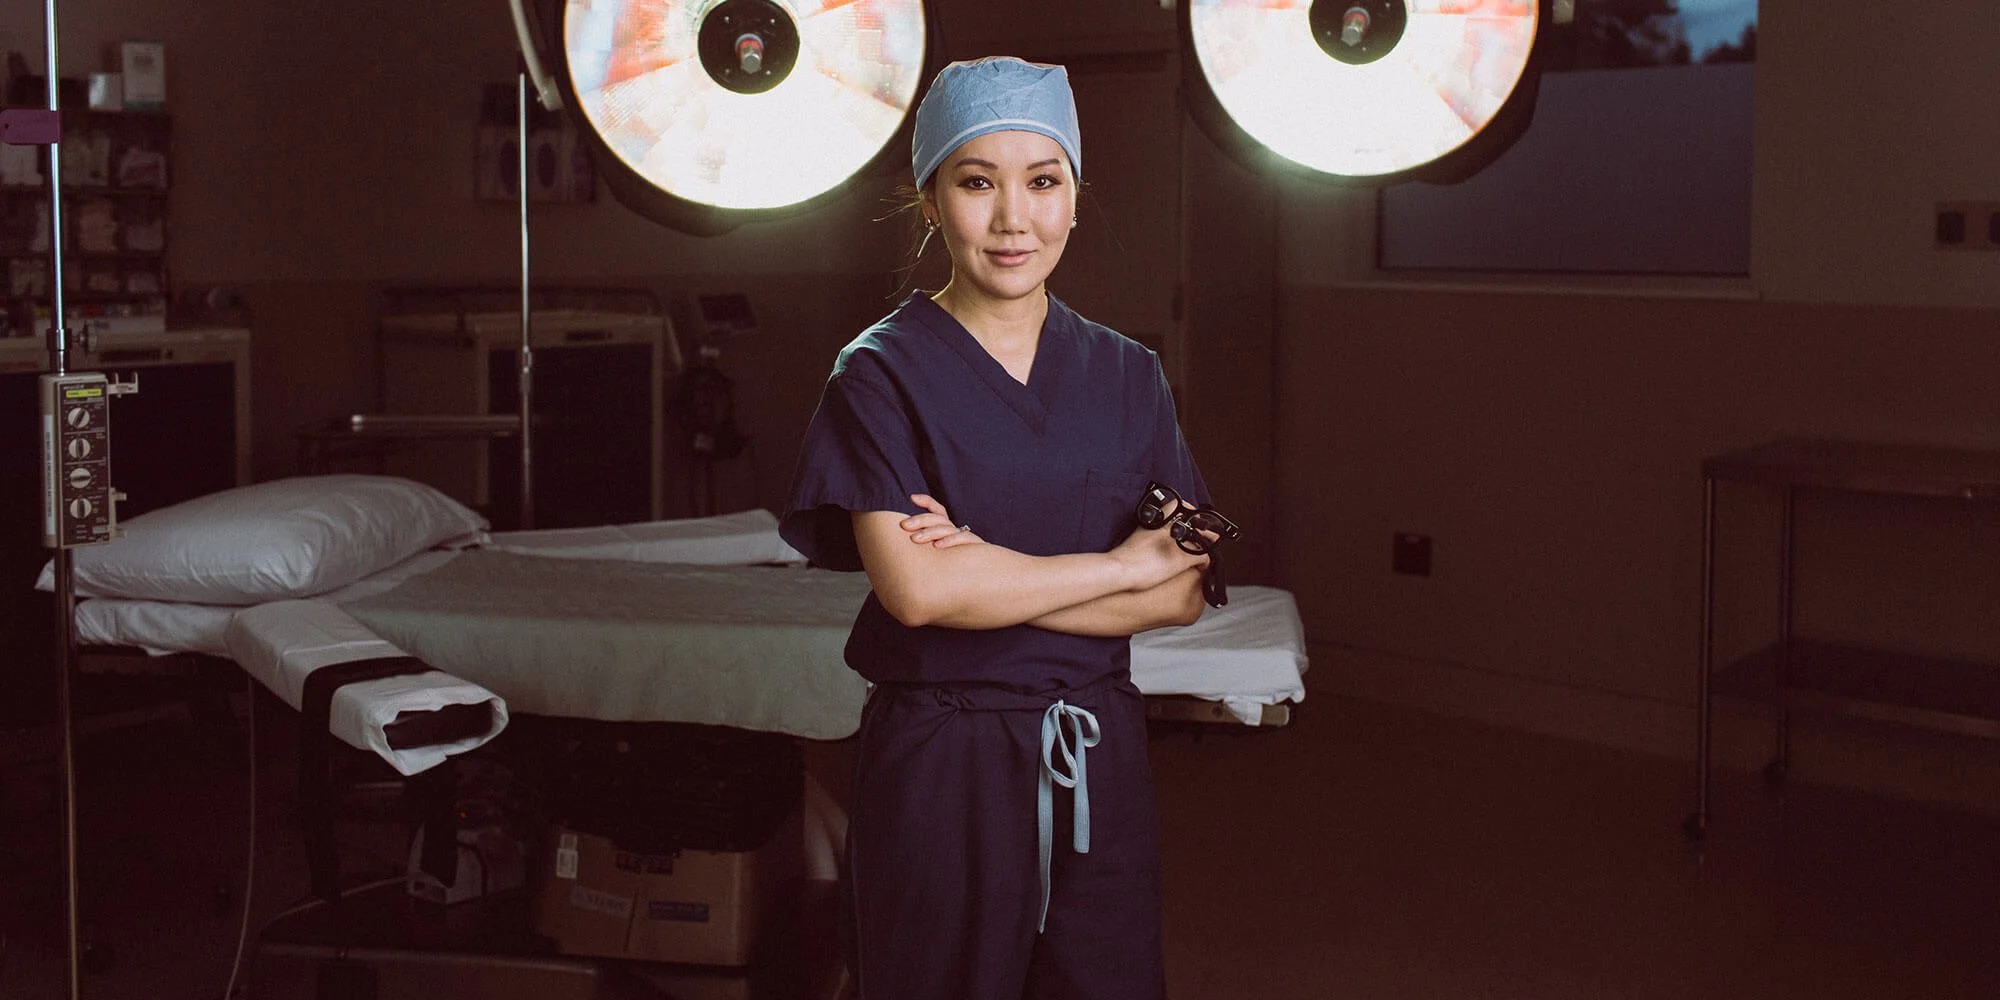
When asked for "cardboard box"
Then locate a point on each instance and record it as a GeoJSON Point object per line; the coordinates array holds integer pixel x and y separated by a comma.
{"type": "Point", "coordinates": [702, 907]}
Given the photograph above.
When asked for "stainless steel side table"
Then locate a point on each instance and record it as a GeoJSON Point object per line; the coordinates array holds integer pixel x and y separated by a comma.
{"type": "Point", "coordinates": [1867, 683]}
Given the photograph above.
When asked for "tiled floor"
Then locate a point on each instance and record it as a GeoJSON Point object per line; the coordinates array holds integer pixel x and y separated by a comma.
{"type": "Point", "coordinates": [1367, 852]}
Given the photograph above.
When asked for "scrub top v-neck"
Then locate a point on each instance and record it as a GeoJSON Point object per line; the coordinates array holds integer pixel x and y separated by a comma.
{"type": "Point", "coordinates": [1052, 466]}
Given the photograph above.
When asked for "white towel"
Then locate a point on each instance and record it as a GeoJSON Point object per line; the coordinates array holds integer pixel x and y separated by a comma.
{"type": "Point", "coordinates": [280, 643]}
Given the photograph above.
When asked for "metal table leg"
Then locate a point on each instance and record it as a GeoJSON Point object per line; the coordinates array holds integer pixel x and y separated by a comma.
{"type": "Point", "coordinates": [1781, 759]}
{"type": "Point", "coordinates": [1696, 826]}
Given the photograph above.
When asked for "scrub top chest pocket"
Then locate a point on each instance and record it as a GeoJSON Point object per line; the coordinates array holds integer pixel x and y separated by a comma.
{"type": "Point", "coordinates": [1108, 497]}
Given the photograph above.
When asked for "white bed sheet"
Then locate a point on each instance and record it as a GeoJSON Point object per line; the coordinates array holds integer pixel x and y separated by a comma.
{"type": "Point", "coordinates": [745, 538]}
{"type": "Point", "coordinates": [1246, 655]}
{"type": "Point", "coordinates": [753, 647]}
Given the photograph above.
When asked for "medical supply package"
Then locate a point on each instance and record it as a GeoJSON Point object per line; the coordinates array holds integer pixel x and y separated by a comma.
{"type": "Point", "coordinates": [703, 907]}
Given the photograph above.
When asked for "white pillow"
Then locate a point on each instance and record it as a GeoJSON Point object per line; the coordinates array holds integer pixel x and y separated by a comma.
{"type": "Point", "coordinates": [273, 541]}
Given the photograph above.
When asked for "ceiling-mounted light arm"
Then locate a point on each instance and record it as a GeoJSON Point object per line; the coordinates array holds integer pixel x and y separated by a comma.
{"type": "Point", "coordinates": [546, 90]}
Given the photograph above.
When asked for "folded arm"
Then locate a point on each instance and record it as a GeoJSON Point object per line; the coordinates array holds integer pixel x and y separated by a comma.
{"type": "Point", "coordinates": [984, 586]}
{"type": "Point", "coordinates": [1175, 602]}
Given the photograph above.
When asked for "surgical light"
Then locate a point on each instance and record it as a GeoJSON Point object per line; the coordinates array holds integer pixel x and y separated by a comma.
{"type": "Point", "coordinates": [703, 113]}
{"type": "Point", "coordinates": [1366, 90]}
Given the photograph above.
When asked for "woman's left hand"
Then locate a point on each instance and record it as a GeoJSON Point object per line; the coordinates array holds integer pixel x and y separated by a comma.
{"type": "Point", "coordinates": [935, 527]}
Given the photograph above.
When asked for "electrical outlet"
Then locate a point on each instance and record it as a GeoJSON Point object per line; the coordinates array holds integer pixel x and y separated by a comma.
{"type": "Point", "coordinates": [1410, 554]}
{"type": "Point", "coordinates": [1967, 225]}
{"type": "Point", "coordinates": [1950, 227]}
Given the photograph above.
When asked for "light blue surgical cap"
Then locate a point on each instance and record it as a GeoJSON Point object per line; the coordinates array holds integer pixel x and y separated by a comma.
{"type": "Point", "coordinates": [995, 94]}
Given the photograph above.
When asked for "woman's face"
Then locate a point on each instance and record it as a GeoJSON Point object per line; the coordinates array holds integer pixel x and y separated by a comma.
{"type": "Point", "coordinates": [1004, 202]}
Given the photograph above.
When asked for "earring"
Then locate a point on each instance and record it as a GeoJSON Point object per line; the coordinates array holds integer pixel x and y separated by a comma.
{"type": "Point", "coordinates": [1072, 222]}
{"type": "Point", "coordinates": [930, 224]}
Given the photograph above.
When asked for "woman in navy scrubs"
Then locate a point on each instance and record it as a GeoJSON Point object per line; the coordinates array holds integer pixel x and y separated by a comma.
{"type": "Point", "coordinates": [979, 452]}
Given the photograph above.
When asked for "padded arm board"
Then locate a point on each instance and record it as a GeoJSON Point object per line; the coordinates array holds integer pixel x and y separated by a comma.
{"type": "Point", "coordinates": [298, 648]}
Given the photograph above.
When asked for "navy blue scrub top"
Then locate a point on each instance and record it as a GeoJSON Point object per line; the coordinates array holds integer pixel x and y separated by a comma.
{"type": "Point", "coordinates": [916, 405]}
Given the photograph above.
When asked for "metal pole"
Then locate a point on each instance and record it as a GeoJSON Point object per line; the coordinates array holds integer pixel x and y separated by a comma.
{"type": "Point", "coordinates": [1705, 727]}
{"type": "Point", "coordinates": [65, 581]}
{"type": "Point", "coordinates": [58, 336]}
{"type": "Point", "coordinates": [1781, 762]}
{"type": "Point", "coordinates": [527, 390]}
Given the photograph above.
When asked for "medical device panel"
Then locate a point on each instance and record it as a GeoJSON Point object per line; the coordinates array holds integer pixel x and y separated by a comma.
{"type": "Point", "coordinates": [78, 503]}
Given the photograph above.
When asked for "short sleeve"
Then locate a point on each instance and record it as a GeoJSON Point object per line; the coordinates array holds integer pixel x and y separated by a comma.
{"type": "Point", "coordinates": [859, 454]}
{"type": "Point", "coordinates": [1172, 463]}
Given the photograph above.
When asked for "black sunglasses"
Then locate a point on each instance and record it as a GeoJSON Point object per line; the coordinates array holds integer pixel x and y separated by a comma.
{"type": "Point", "coordinates": [1189, 524]}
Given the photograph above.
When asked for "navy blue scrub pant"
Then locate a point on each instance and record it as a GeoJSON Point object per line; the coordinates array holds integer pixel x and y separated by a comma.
{"type": "Point", "coordinates": [944, 860]}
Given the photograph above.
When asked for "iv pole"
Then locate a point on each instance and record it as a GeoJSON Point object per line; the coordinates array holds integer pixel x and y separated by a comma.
{"type": "Point", "coordinates": [65, 582]}
{"type": "Point", "coordinates": [482, 426]}
{"type": "Point", "coordinates": [550, 99]}
{"type": "Point", "coordinates": [527, 377]}
{"type": "Point", "coordinates": [33, 128]}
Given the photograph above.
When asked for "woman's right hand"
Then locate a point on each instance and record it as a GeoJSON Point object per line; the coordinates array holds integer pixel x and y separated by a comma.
{"type": "Point", "coordinates": [1152, 557]}
{"type": "Point", "coordinates": [935, 527]}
